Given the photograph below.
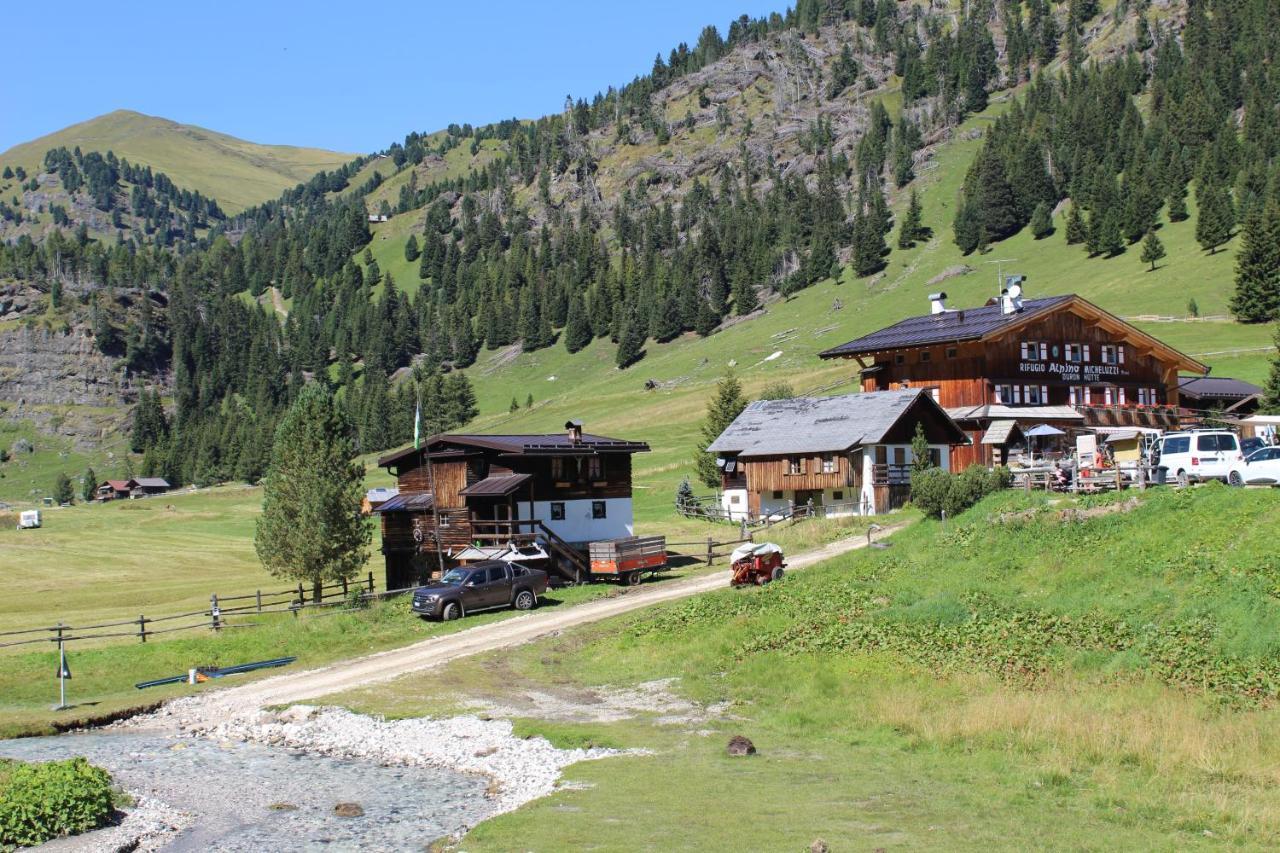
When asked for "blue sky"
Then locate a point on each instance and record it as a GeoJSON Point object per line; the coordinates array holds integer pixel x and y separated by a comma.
{"type": "Point", "coordinates": [348, 76]}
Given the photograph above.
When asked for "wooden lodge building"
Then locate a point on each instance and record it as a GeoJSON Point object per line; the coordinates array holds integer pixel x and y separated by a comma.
{"type": "Point", "coordinates": [849, 455]}
{"type": "Point", "coordinates": [561, 491]}
{"type": "Point", "coordinates": [1016, 363]}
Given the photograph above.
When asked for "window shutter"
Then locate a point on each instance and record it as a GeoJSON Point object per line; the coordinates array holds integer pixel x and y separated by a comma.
{"type": "Point", "coordinates": [1044, 351]}
{"type": "Point", "coordinates": [1024, 350]}
{"type": "Point", "coordinates": [1088, 396]}
{"type": "Point", "coordinates": [1086, 352]}
{"type": "Point", "coordinates": [1120, 354]}
{"type": "Point", "coordinates": [1044, 395]}
{"type": "Point", "coordinates": [1073, 395]}
{"type": "Point", "coordinates": [1017, 394]}
{"type": "Point", "coordinates": [1120, 396]}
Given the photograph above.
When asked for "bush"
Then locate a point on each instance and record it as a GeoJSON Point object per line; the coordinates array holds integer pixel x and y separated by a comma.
{"type": "Point", "coordinates": [934, 491]}
{"type": "Point", "coordinates": [51, 799]}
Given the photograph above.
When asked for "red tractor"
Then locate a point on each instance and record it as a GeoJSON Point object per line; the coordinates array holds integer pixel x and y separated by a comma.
{"type": "Point", "coordinates": [756, 564]}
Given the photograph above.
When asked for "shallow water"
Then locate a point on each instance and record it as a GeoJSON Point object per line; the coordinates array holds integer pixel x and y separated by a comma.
{"type": "Point", "coordinates": [228, 788]}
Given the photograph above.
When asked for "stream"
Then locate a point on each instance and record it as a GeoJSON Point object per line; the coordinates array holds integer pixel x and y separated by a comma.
{"type": "Point", "coordinates": [229, 787]}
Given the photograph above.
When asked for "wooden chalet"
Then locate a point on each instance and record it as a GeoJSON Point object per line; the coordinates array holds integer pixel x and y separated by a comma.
{"type": "Point", "coordinates": [1205, 396]}
{"type": "Point", "coordinates": [849, 455]}
{"type": "Point", "coordinates": [136, 487]}
{"type": "Point", "coordinates": [561, 491]}
{"type": "Point", "coordinates": [115, 489]}
{"type": "Point", "coordinates": [1059, 361]}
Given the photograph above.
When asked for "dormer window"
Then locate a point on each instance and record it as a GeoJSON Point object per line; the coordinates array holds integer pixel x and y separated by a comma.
{"type": "Point", "coordinates": [1034, 351]}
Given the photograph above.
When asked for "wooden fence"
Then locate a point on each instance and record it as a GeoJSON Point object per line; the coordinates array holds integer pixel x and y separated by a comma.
{"type": "Point", "coordinates": [215, 617]}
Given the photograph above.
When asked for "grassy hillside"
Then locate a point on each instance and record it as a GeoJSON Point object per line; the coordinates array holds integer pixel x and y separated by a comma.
{"type": "Point", "coordinates": [237, 173]}
{"type": "Point", "coordinates": [983, 687]}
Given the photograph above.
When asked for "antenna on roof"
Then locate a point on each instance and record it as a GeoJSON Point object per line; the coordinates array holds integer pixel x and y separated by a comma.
{"type": "Point", "coordinates": [1000, 262]}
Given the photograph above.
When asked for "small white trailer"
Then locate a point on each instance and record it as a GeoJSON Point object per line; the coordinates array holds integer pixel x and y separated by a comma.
{"type": "Point", "coordinates": [29, 519]}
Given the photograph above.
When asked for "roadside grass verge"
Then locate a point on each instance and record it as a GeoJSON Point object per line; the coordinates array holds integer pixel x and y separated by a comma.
{"type": "Point", "coordinates": [103, 678]}
{"type": "Point", "coordinates": [1018, 680]}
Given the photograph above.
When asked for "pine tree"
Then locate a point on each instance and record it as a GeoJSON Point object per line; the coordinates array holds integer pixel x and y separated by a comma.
{"type": "Point", "coordinates": [514, 407]}
{"type": "Point", "coordinates": [1077, 232]}
{"type": "Point", "coordinates": [910, 229]}
{"type": "Point", "coordinates": [411, 251]}
{"type": "Point", "coordinates": [1257, 294]}
{"type": "Point", "coordinates": [89, 486]}
{"type": "Point", "coordinates": [723, 408]}
{"type": "Point", "coordinates": [630, 342]}
{"type": "Point", "coordinates": [1270, 403]}
{"type": "Point", "coordinates": [1216, 218]}
{"type": "Point", "coordinates": [577, 330]}
{"type": "Point", "coordinates": [1041, 221]}
{"type": "Point", "coordinates": [63, 492]}
{"type": "Point", "coordinates": [967, 227]}
{"type": "Point", "coordinates": [310, 529]}
{"type": "Point", "coordinates": [921, 459]}
{"type": "Point", "coordinates": [1152, 249]}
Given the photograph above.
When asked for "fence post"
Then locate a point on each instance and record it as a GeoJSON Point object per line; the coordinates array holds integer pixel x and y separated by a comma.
{"type": "Point", "coordinates": [301, 598]}
{"type": "Point", "coordinates": [344, 587]}
{"type": "Point", "coordinates": [215, 613]}
{"type": "Point", "coordinates": [259, 596]}
{"type": "Point", "coordinates": [371, 583]}
{"type": "Point", "coordinates": [710, 549]}
{"type": "Point", "coordinates": [142, 628]}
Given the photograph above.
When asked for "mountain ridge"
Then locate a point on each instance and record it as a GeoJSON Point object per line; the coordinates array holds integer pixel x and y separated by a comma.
{"type": "Point", "coordinates": [236, 172]}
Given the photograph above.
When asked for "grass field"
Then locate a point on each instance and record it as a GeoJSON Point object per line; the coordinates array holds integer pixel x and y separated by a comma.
{"type": "Point", "coordinates": [237, 173]}
{"type": "Point", "coordinates": [992, 686]}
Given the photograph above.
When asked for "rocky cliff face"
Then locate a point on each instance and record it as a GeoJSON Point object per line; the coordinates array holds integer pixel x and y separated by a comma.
{"type": "Point", "coordinates": [53, 375]}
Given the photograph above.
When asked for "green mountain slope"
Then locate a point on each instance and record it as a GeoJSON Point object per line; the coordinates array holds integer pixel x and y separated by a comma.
{"type": "Point", "coordinates": [235, 172]}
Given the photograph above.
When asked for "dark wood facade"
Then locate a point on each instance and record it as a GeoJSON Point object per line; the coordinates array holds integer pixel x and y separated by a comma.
{"type": "Point", "coordinates": [1087, 363]}
{"type": "Point", "coordinates": [460, 490]}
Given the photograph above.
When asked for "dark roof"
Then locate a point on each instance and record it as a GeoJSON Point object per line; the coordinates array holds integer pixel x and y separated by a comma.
{"type": "Point", "coordinates": [152, 482]}
{"type": "Point", "coordinates": [118, 485]}
{"type": "Point", "coordinates": [524, 445]}
{"type": "Point", "coordinates": [822, 424]}
{"type": "Point", "coordinates": [407, 502]}
{"type": "Point", "coordinates": [1220, 387]}
{"type": "Point", "coordinates": [499, 486]}
{"type": "Point", "coordinates": [964, 325]}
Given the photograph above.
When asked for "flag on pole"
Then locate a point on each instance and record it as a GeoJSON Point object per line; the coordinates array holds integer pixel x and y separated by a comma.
{"type": "Point", "coordinates": [64, 671]}
{"type": "Point", "coordinates": [417, 424]}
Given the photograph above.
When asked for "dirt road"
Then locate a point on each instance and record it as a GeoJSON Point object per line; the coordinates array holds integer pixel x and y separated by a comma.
{"type": "Point", "coordinates": [436, 651]}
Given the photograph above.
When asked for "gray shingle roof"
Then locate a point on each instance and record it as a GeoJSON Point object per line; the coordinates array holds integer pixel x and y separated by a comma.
{"type": "Point", "coordinates": [540, 444]}
{"type": "Point", "coordinates": [815, 424]}
{"type": "Point", "coordinates": [969, 324]}
{"type": "Point", "coordinates": [1216, 386]}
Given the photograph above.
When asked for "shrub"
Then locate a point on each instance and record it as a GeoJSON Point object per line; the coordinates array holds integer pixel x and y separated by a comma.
{"type": "Point", "coordinates": [51, 799]}
{"type": "Point", "coordinates": [934, 491]}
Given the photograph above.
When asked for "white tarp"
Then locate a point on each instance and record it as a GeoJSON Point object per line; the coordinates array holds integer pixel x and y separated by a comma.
{"type": "Point", "coordinates": [753, 549]}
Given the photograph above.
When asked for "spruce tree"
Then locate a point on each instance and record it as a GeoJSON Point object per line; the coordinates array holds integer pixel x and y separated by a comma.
{"type": "Point", "coordinates": [63, 492]}
{"type": "Point", "coordinates": [910, 229]}
{"type": "Point", "coordinates": [630, 342]}
{"type": "Point", "coordinates": [1077, 232]}
{"type": "Point", "coordinates": [1216, 218]}
{"type": "Point", "coordinates": [411, 251]}
{"type": "Point", "coordinates": [1271, 391]}
{"type": "Point", "coordinates": [577, 330]}
{"type": "Point", "coordinates": [727, 403]}
{"type": "Point", "coordinates": [310, 529]}
{"type": "Point", "coordinates": [1152, 250]}
{"type": "Point", "coordinates": [89, 488]}
{"type": "Point", "coordinates": [1257, 294]}
{"type": "Point", "coordinates": [1041, 221]}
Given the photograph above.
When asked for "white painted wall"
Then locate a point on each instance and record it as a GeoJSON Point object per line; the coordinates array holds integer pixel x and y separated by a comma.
{"type": "Point", "coordinates": [578, 525]}
{"type": "Point", "coordinates": [734, 503]}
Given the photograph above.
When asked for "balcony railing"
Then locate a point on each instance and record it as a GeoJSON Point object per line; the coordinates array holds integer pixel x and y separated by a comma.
{"type": "Point", "coordinates": [890, 475]}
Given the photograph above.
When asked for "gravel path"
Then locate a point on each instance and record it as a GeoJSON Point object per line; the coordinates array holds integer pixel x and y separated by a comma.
{"type": "Point", "coordinates": [384, 666]}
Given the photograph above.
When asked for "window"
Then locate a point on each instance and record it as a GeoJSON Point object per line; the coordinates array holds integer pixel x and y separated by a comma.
{"type": "Point", "coordinates": [595, 468]}
{"type": "Point", "coordinates": [1147, 397]}
{"type": "Point", "coordinates": [925, 355]}
{"type": "Point", "coordinates": [837, 495]}
{"type": "Point", "coordinates": [557, 467]}
{"type": "Point", "coordinates": [1112, 354]}
{"type": "Point", "coordinates": [1216, 443]}
{"type": "Point", "coordinates": [795, 465]}
{"type": "Point", "coordinates": [735, 499]}
{"type": "Point", "coordinates": [935, 457]}
{"type": "Point", "coordinates": [1004, 394]}
{"type": "Point", "coordinates": [1077, 352]}
{"type": "Point", "coordinates": [1177, 444]}
{"type": "Point", "coordinates": [900, 358]}
{"type": "Point", "coordinates": [953, 352]}
{"type": "Point", "coordinates": [557, 511]}
{"type": "Point", "coordinates": [1035, 395]}
{"type": "Point", "coordinates": [497, 573]}
{"type": "Point", "coordinates": [598, 509]}
{"type": "Point", "coordinates": [829, 465]}
{"type": "Point", "coordinates": [1034, 351]}
{"type": "Point", "coordinates": [777, 494]}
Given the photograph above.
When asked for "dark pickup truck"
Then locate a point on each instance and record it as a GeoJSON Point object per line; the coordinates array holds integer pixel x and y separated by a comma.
{"type": "Point", "coordinates": [482, 586]}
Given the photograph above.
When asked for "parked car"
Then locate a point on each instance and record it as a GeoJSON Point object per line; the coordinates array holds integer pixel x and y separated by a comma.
{"type": "Point", "coordinates": [482, 586]}
{"type": "Point", "coordinates": [1198, 455]}
{"type": "Point", "coordinates": [1249, 445]}
{"type": "Point", "coordinates": [1259, 468]}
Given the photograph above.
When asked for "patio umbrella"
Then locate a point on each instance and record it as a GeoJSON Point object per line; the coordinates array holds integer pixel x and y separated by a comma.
{"type": "Point", "coordinates": [1043, 429]}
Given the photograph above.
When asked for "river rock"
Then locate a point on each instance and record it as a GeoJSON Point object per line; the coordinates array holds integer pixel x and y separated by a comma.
{"type": "Point", "coordinates": [348, 810]}
{"type": "Point", "coordinates": [738, 745]}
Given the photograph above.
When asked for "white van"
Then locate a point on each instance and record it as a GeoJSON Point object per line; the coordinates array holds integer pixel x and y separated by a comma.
{"type": "Point", "coordinates": [29, 519]}
{"type": "Point", "coordinates": [1198, 455]}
